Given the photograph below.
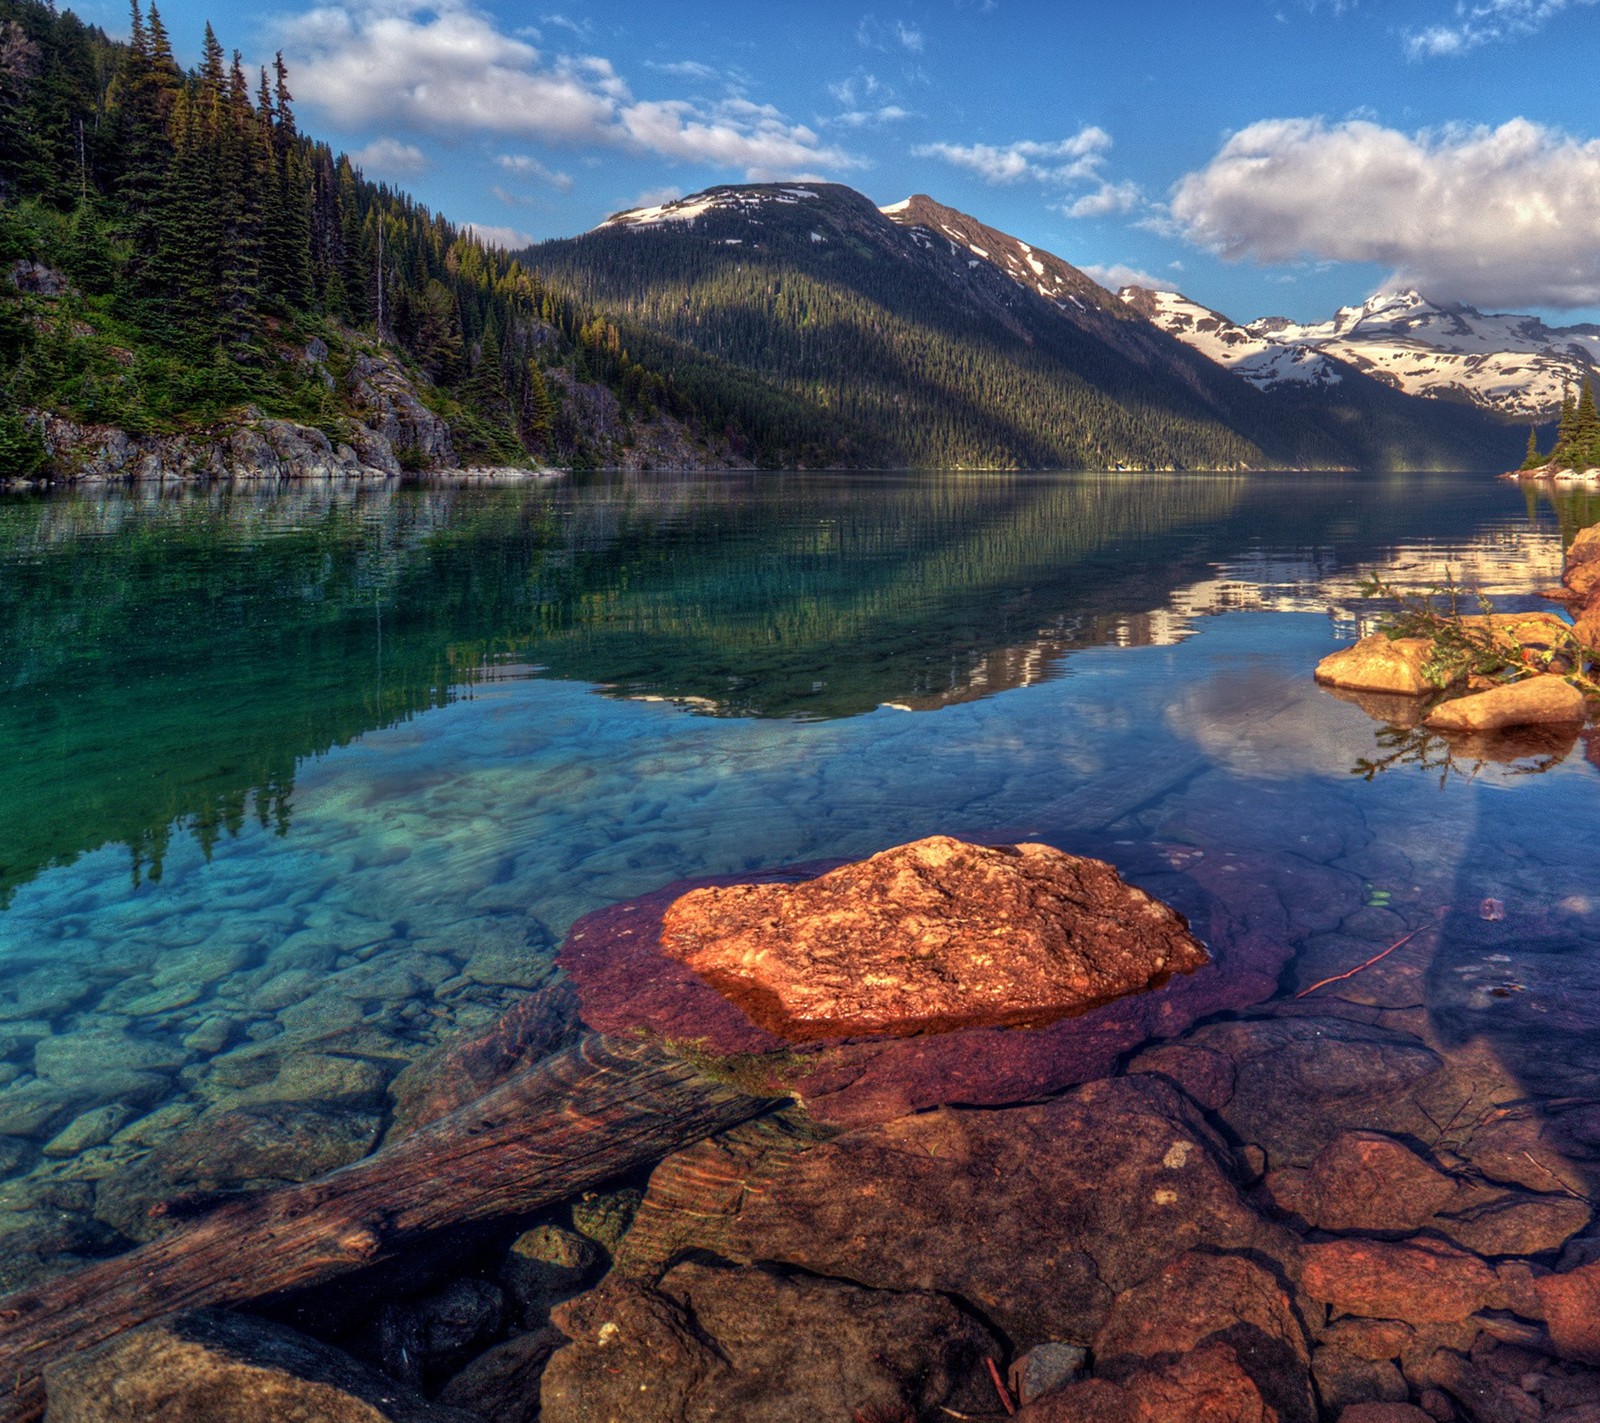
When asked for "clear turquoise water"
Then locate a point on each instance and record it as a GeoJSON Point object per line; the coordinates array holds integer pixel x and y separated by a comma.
{"type": "Point", "coordinates": [310, 771]}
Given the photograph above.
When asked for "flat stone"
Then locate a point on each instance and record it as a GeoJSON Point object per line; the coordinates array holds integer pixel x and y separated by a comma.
{"type": "Point", "coordinates": [1519, 630]}
{"type": "Point", "coordinates": [1367, 1181]}
{"type": "Point", "coordinates": [1419, 1282]}
{"type": "Point", "coordinates": [1299, 1082]}
{"type": "Point", "coordinates": [93, 1128]}
{"type": "Point", "coordinates": [1536, 701]}
{"type": "Point", "coordinates": [1379, 663]}
{"type": "Point", "coordinates": [929, 937]}
{"type": "Point", "coordinates": [1570, 1303]}
{"type": "Point", "coordinates": [1517, 1224]}
{"type": "Point", "coordinates": [228, 1368]}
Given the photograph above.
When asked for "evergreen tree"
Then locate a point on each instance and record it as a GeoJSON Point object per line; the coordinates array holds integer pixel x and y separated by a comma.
{"type": "Point", "coordinates": [1585, 442]}
{"type": "Point", "coordinates": [1532, 459]}
{"type": "Point", "coordinates": [1566, 429]}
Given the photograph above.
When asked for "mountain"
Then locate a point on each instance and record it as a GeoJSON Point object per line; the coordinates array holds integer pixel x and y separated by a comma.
{"type": "Point", "coordinates": [928, 338]}
{"type": "Point", "coordinates": [1515, 366]}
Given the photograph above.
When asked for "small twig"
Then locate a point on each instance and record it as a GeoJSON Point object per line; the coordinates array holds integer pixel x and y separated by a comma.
{"type": "Point", "coordinates": [1000, 1387]}
{"type": "Point", "coordinates": [1376, 958]}
{"type": "Point", "coordinates": [1560, 1184]}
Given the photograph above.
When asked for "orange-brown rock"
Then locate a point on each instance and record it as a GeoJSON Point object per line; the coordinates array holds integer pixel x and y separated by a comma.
{"type": "Point", "coordinates": [1208, 1385]}
{"type": "Point", "coordinates": [1379, 663]}
{"type": "Point", "coordinates": [1536, 701]}
{"type": "Point", "coordinates": [1421, 1283]}
{"type": "Point", "coordinates": [929, 937]}
{"type": "Point", "coordinates": [1364, 1180]}
{"type": "Point", "coordinates": [1571, 1304]}
{"type": "Point", "coordinates": [1194, 1297]}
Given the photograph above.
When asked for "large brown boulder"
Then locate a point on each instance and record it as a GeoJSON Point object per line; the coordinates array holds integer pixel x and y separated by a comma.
{"type": "Point", "coordinates": [747, 1344]}
{"type": "Point", "coordinates": [928, 937]}
{"type": "Point", "coordinates": [1379, 663]}
{"type": "Point", "coordinates": [1544, 700]}
{"type": "Point", "coordinates": [1037, 1215]}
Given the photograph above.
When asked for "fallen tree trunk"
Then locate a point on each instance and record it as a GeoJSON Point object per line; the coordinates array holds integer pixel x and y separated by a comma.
{"type": "Point", "coordinates": [603, 1106]}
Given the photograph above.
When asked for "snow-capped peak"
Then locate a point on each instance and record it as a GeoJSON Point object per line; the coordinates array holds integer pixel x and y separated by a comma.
{"type": "Point", "coordinates": [1254, 357]}
{"type": "Point", "coordinates": [1512, 364]}
{"type": "Point", "coordinates": [744, 200]}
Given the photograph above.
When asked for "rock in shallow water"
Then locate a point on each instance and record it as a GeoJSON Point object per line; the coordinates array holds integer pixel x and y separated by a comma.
{"type": "Point", "coordinates": [762, 1348]}
{"type": "Point", "coordinates": [929, 937]}
{"type": "Point", "coordinates": [1537, 701]}
{"type": "Point", "coordinates": [1379, 663]}
{"type": "Point", "coordinates": [227, 1368]}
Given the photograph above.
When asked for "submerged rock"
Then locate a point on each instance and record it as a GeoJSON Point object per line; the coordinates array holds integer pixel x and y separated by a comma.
{"type": "Point", "coordinates": [1379, 663]}
{"type": "Point", "coordinates": [747, 1344]}
{"type": "Point", "coordinates": [928, 937]}
{"type": "Point", "coordinates": [1037, 1215]}
{"type": "Point", "coordinates": [1536, 701]}
{"type": "Point", "coordinates": [228, 1368]}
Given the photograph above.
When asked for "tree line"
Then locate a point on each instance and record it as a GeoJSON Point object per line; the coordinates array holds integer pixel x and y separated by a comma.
{"type": "Point", "coordinates": [205, 238]}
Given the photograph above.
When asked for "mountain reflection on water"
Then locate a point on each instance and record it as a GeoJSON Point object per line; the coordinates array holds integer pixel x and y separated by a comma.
{"type": "Point", "coordinates": [171, 655]}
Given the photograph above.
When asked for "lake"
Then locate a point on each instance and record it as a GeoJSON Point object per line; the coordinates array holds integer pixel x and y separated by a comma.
{"type": "Point", "coordinates": [299, 781]}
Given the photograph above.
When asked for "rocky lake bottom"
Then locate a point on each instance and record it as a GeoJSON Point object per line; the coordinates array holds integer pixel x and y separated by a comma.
{"type": "Point", "coordinates": [309, 784]}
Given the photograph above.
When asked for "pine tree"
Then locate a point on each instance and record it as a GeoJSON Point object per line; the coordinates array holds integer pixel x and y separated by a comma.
{"type": "Point", "coordinates": [538, 408]}
{"type": "Point", "coordinates": [1532, 459]}
{"type": "Point", "coordinates": [1566, 429]}
{"type": "Point", "coordinates": [1585, 443]}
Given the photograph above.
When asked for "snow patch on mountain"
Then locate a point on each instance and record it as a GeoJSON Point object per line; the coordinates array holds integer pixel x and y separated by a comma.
{"type": "Point", "coordinates": [1040, 272]}
{"type": "Point", "coordinates": [745, 201]}
{"type": "Point", "coordinates": [1512, 364]}
{"type": "Point", "coordinates": [1262, 361]}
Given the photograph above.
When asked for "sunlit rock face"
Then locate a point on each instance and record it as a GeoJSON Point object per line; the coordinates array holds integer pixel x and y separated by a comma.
{"type": "Point", "coordinates": [1379, 664]}
{"type": "Point", "coordinates": [928, 937]}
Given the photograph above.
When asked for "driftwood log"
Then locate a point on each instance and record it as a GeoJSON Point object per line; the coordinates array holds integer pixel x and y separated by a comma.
{"type": "Point", "coordinates": [603, 1106]}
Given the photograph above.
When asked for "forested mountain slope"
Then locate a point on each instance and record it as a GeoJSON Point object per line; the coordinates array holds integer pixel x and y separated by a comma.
{"type": "Point", "coordinates": [954, 344]}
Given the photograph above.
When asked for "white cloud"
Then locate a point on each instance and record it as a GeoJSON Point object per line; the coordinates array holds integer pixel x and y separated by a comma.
{"type": "Point", "coordinates": [1506, 216]}
{"type": "Point", "coordinates": [521, 165]}
{"type": "Point", "coordinates": [1065, 160]}
{"type": "Point", "coordinates": [1487, 22]}
{"type": "Point", "coordinates": [448, 68]}
{"type": "Point", "coordinates": [863, 118]}
{"type": "Point", "coordinates": [684, 69]}
{"type": "Point", "coordinates": [1107, 199]}
{"type": "Point", "coordinates": [1118, 274]}
{"type": "Point", "coordinates": [910, 36]}
{"type": "Point", "coordinates": [510, 238]}
{"type": "Point", "coordinates": [389, 158]}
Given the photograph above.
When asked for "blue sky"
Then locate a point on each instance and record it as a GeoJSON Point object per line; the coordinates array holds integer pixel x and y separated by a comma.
{"type": "Point", "coordinates": [1263, 156]}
